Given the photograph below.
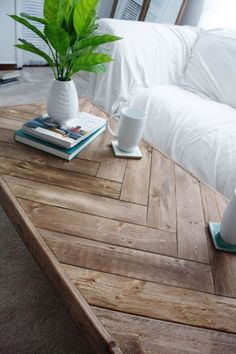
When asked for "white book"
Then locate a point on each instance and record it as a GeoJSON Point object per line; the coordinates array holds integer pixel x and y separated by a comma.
{"type": "Point", "coordinates": [6, 75]}
{"type": "Point", "coordinates": [66, 136]}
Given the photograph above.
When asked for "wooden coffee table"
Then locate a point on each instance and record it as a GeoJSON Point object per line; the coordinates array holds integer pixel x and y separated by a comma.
{"type": "Point", "coordinates": [125, 243]}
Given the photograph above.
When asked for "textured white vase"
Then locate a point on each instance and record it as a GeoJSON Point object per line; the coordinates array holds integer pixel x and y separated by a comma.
{"type": "Point", "coordinates": [228, 222]}
{"type": "Point", "coordinates": [63, 103]}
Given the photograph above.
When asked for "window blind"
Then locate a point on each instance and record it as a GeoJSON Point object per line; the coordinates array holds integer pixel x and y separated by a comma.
{"type": "Point", "coordinates": [34, 8]}
{"type": "Point", "coordinates": [156, 9]}
{"type": "Point", "coordinates": [129, 9]}
{"type": "Point", "coordinates": [163, 11]}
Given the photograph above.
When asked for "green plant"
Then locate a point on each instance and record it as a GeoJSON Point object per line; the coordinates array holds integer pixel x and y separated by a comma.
{"type": "Point", "coordinates": [70, 32]}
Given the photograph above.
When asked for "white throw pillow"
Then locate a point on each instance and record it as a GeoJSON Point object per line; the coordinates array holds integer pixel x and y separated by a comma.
{"type": "Point", "coordinates": [211, 69]}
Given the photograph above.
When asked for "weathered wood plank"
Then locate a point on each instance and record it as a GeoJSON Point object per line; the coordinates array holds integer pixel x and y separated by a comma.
{"type": "Point", "coordinates": [191, 231]}
{"type": "Point", "coordinates": [223, 264]}
{"type": "Point", "coordinates": [10, 113]}
{"type": "Point", "coordinates": [98, 337]}
{"type": "Point", "coordinates": [137, 335]}
{"type": "Point", "coordinates": [134, 268]}
{"type": "Point", "coordinates": [79, 201]}
{"type": "Point", "coordinates": [221, 204]}
{"type": "Point", "coordinates": [82, 102]}
{"type": "Point", "coordinates": [152, 300]}
{"type": "Point", "coordinates": [129, 262]}
{"type": "Point", "coordinates": [162, 204]}
{"type": "Point", "coordinates": [135, 186]}
{"type": "Point", "coordinates": [97, 228]}
{"type": "Point", "coordinates": [90, 107]}
{"type": "Point", "coordinates": [96, 149]}
{"type": "Point", "coordinates": [10, 124]}
{"type": "Point", "coordinates": [50, 175]}
{"type": "Point", "coordinates": [27, 108]}
{"type": "Point", "coordinates": [6, 136]}
{"type": "Point", "coordinates": [41, 108]}
{"type": "Point", "coordinates": [112, 168]}
{"type": "Point", "coordinates": [210, 209]}
{"type": "Point", "coordinates": [24, 153]}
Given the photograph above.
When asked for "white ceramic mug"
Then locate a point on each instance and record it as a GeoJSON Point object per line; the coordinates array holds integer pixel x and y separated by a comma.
{"type": "Point", "coordinates": [228, 222]}
{"type": "Point", "coordinates": [131, 127]}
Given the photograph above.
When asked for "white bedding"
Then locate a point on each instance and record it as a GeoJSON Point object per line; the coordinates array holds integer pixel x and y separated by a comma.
{"type": "Point", "coordinates": [198, 133]}
{"type": "Point", "coordinates": [211, 69]}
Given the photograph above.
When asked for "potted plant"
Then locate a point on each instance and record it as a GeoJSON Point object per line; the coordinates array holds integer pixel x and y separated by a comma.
{"type": "Point", "coordinates": [70, 33]}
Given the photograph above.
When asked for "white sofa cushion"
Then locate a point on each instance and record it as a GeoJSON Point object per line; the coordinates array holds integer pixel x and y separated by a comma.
{"type": "Point", "coordinates": [148, 55]}
{"type": "Point", "coordinates": [198, 133]}
{"type": "Point", "coordinates": [212, 66]}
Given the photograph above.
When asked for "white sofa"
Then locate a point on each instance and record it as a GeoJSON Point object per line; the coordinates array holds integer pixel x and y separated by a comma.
{"type": "Point", "coordinates": [189, 95]}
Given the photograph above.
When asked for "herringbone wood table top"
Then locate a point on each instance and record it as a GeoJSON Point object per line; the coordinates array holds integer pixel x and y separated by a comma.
{"type": "Point", "coordinates": [124, 242]}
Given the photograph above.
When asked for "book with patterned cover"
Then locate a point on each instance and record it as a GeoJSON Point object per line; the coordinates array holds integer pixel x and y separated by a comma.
{"type": "Point", "coordinates": [66, 136]}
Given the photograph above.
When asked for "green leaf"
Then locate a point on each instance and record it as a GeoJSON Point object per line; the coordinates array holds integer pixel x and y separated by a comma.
{"type": "Point", "coordinates": [86, 46]}
{"type": "Point", "coordinates": [55, 10]}
{"type": "Point", "coordinates": [84, 13]}
{"type": "Point", "coordinates": [96, 41]}
{"type": "Point", "coordinates": [68, 11]}
{"type": "Point", "coordinates": [64, 10]}
{"type": "Point", "coordinates": [94, 59]}
{"type": "Point", "coordinates": [50, 9]}
{"type": "Point", "coordinates": [29, 47]}
{"type": "Point", "coordinates": [30, 26]}
{"type": "Point", "coordinates": [69, 30]}
{"type": "Point", "coordinates": [100, 68]}
{"type": "Point", "coordinates": [89, 60]}
{"type": "Point", "coordinates": [90, 25]}
{"type": "Point", "coordinates": [72, 56]}
{"type": "Point", "coordinates": [58, 37]}
{"type": "Point", "coordinates": [33, 18]}
{"type": "Point", "coordinates": [67, 23]}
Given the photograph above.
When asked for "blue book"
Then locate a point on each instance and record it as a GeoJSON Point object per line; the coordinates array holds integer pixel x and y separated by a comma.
{"type": "Point", "coordinates": [67, 154]}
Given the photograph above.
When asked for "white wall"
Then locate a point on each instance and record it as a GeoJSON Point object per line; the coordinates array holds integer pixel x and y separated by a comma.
{"type": "Point", "coordinates": [7, 32]}
{"type": "Point", "coordinates": [218, 13]}
{"type": "Point", "coordinates": [210, 13]}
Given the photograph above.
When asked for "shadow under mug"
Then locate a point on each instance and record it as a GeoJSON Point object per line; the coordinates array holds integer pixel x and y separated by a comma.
{"type": "Point", "coordinates": [131, 127]}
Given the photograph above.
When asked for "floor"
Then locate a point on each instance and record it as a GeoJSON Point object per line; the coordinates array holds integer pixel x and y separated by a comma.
{"type": "Point", "coordinates": [34, 86]}
{"type": "Point", "coordinates": [32, 321]}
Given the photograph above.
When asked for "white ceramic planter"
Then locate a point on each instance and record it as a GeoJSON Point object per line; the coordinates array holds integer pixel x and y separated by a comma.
{"type": "Point", "coordinates": [228, 222]}
{"type": "Point", "coordinates": [63, 103]}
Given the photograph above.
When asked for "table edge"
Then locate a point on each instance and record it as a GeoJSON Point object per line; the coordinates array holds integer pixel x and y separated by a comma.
{"type": "Point", "coordinates": [71, 297]}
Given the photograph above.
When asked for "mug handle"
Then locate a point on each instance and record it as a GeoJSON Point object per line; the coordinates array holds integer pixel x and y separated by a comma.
{"type": "Point", "coordinates": [108, 125]}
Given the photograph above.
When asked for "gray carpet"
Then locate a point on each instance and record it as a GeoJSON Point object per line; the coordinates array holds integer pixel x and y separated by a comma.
{"type": "Point", "coordinates": [34, 87]}
{"type": "Point", "coordinates": [32, 320]}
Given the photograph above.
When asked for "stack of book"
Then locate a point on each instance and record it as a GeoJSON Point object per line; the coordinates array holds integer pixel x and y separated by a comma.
{"type": "Point", "coordinates": [63, 141]}
{"type": "Point", "coordinates": [9, 77]}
